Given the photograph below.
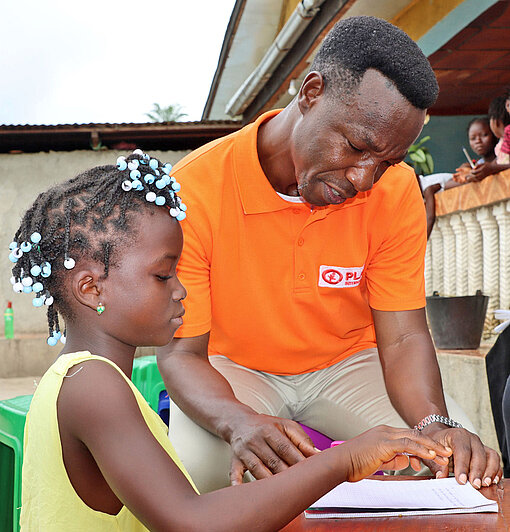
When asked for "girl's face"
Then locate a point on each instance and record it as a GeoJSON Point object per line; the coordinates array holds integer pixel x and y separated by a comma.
{"type": "Point", "coordinates": [142, 293]}
{"type": "Point", "coordinates": [481, 138]}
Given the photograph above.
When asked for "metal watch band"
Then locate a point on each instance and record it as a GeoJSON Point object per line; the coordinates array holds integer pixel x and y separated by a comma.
{"type": "Point", "coordinates": [436, 418]}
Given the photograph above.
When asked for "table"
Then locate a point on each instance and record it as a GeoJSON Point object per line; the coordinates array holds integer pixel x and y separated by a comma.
{"type": "Point", "coordinates": [421, 523]}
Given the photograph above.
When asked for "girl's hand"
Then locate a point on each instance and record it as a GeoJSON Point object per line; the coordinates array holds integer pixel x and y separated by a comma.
{"type": "Point", "coordinates": [383, 448]}
{"type": "Point", "coordinates": [461, 174]}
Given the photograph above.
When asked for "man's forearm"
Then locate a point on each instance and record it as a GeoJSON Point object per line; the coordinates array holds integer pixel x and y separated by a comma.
{"type": "Point", "coordinates": [201, 392]}
{"type": "Point", "coordinates": [413, 380]}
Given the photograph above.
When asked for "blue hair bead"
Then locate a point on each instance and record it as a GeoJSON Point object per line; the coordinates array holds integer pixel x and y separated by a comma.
{"type": "Point", "coordinates": [134, 174]}
{"type": "Point", "coordinates": [153, 163]}
{"type": "Point", "coordinates": [167, 167]}
{"type": "Point", "coordinates": [176, 186]}
{"type": "Point", "coordinates": [121, 163]}
{"type": "Point", "coordinates": [27, 289]}
{"type": "Point", "coordinates": [52, 341]}
{"type": "Point", "coordinates": [167, 179]}
{"type": "Point", "coordinates": [134, 164]}
{"type": "Point", "coordinates": [149, 179]}
{"type": "Point", "coordinates": [25, 247]}
{"type": "Point", "coordinates": [136, 184]}
{"type": "Point", "coordinates": [156, 171]}
{"type": "Point", "coordinates": [183, 207]}
{"type": "Point", "coordinates": [37, 287]}
{"type": "Point", "coordinates": [13, 245]}
{"type": "Point", "coordinates": [181, 216]}
{"type": "Point", "coordinates": [46, 269]}
{"type": "Point", "coordinates": [160, 183]}
{"type": "Point", "coordinates": [160, 200]}
{"type": "Point", "coordinates": [37, 302]}
{"type": "Point", "coordinates": [12, 258]}
{"type": "Point", "coordinates": [35, 270]}
{"type": "Point", "coordinates": [57, 334]}
{"type": "Point", "coordinates": [35, 237]}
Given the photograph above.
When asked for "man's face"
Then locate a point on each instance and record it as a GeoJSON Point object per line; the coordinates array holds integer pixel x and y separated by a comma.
{"type": "Point", "coordinates": [341, 146]}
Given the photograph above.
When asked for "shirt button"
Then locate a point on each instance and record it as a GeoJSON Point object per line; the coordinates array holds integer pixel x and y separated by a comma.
{"type": "Point", "coordinates": [301, 276]}
{"type": "Point", "coordinates": [300, 241]}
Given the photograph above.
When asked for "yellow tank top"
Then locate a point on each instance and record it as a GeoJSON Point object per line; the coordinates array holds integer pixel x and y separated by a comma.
{"type": "Point", "coordinates": [48, 501]}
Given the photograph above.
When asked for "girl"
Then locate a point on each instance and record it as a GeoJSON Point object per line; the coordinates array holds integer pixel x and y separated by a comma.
{"type": "Point", "coordinates": [101, 250]}
{"type": "Point", "coordinates": [482, 141]}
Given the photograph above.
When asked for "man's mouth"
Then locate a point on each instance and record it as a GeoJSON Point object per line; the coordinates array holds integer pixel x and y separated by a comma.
{"type": "Point", "coordinates": [332, 195]}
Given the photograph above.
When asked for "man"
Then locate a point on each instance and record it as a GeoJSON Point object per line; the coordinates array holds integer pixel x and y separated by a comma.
{"type": "Point", "coordinates": [304, 268]}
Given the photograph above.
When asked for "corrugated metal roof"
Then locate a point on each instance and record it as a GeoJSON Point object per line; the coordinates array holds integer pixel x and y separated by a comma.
{"type": "Point", "coordinates": [148, 136]}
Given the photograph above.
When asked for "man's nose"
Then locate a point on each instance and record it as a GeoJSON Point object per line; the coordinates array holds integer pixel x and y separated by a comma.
{"type": "Point", "coordinates": [362, 177]}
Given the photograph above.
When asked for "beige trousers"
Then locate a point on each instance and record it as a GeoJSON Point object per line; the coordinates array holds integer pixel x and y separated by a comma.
{"type": "Point", "coordinates": [341, 401]}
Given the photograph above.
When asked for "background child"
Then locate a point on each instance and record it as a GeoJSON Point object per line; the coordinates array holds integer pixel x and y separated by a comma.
{"type": "Point", "coordinates": [504, 153]}
{"type": "Point", "coordinates": [101, 250]}
{"type": "Point", "coordinates": [482, 142]}
{"type": "Point", "coordinates": [498, 119]}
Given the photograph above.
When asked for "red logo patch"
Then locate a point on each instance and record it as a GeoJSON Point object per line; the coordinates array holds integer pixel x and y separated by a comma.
{"type": "Point", "coordinates": [332, 276]}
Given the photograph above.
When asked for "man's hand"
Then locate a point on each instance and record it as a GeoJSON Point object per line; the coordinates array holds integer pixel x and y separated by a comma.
{"type": "Point", "coordinates": [265, 445]}
{"type": "Point", "coordinates": [471, 460]}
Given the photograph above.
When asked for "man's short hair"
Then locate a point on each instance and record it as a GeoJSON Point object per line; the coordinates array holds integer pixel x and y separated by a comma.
{"type": "Point", "coordinates": [357, 44]}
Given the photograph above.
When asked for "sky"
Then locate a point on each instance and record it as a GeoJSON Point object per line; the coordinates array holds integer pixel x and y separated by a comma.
{"type": "Point", "coordinates": [107, 61]}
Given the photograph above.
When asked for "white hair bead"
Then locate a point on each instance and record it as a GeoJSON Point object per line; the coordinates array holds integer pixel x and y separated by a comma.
{"type": "Point", "coordinates": [69, 263]}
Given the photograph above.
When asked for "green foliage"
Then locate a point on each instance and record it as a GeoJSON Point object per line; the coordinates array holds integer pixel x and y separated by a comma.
{"type": "Point", "coordinates": [421, 158]}
{"type": "Point", "coordinates": [171, 113]}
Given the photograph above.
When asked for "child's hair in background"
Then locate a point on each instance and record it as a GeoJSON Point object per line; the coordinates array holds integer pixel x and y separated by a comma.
{"type": "Point", "coordinates": [497, 110]}
{"type": "Point", "coordinates": [85, 217]}
{"type": "Point", "coordinates": [479, 120]}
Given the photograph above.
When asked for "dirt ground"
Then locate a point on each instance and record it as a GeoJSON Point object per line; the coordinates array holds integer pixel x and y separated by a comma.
{"type": "Point", "coordinates": [17, 386]}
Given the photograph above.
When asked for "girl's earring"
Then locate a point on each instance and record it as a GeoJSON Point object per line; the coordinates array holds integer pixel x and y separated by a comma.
{"type": "Point", "coordinates": [100, 308]}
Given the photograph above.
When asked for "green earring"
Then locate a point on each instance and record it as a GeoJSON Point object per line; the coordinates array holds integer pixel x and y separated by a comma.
{"type": "Point", "coordinates": [100, 308]}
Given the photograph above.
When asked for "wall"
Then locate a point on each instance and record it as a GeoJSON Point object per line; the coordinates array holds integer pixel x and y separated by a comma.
{"type": "Point", "coordinates": [22, 178]}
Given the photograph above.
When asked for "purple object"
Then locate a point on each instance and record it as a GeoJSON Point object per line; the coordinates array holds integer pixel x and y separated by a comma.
{"type": "Point", "coordinates": [321, 441]}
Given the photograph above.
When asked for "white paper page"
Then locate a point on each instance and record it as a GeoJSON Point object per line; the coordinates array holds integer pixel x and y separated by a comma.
{"type": "Point", "coordinates": [431, 494]}
{"type": "Point", "coordinates": [401, 513]}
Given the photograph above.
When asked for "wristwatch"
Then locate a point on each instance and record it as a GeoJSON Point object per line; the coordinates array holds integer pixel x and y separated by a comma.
{"type": "Point", "coordinates": [436, 418]}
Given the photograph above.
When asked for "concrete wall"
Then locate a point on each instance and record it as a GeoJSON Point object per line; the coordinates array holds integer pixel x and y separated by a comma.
{"type": "Point", "coordinates": [22, 178]}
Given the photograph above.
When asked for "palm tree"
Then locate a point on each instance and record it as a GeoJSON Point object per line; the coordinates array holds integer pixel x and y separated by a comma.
{"type": "Point", "coordinates": [172, 113]}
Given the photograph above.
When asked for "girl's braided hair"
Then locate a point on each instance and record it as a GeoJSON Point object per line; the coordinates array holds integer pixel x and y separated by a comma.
{"type": "Point", "coordinates": [88, 216]}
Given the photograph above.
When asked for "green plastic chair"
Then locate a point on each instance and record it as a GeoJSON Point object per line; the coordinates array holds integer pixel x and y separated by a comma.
{"type": "Point", "coordinates": [13, 414]}
{"type": "Point", "coordinates": [147, 379]}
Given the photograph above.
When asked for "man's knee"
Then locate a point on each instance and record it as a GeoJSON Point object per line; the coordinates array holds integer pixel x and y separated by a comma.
{"type": "Point", "coordinates": [205, 456]}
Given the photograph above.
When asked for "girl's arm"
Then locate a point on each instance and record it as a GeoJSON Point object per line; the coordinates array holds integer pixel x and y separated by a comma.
{"type": "Point", "coordinates": [97, 410]}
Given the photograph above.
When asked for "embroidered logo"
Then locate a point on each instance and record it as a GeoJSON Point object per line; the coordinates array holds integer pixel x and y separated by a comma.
{"type": "Point", "coordinates": [336, 277]}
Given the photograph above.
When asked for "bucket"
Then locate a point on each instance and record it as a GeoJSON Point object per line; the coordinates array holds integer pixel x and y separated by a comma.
{"type": "Point", "coordinates": [457, 322]}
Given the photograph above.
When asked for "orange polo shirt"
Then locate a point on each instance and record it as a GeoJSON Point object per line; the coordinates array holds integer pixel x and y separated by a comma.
{"type": "Point", "coordinates": [284, 288]}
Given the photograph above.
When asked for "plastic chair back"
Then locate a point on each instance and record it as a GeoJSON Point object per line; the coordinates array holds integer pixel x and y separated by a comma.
{"type": "Point", "coordinates": [13, 413]}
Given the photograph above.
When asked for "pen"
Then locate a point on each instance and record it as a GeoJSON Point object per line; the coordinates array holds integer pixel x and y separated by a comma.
{"type": "Point", "coordinates": [471, 163]}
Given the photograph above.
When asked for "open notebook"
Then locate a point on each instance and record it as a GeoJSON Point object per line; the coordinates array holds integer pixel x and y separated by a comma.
{"type": "Point", "coordinates": [375, 498]}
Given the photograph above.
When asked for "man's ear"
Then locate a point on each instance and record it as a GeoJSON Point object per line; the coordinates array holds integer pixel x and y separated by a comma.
{"type": "Point", "coordinates": [311, 90]}
{"type": "Point", "coordinates": [86, 286]}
